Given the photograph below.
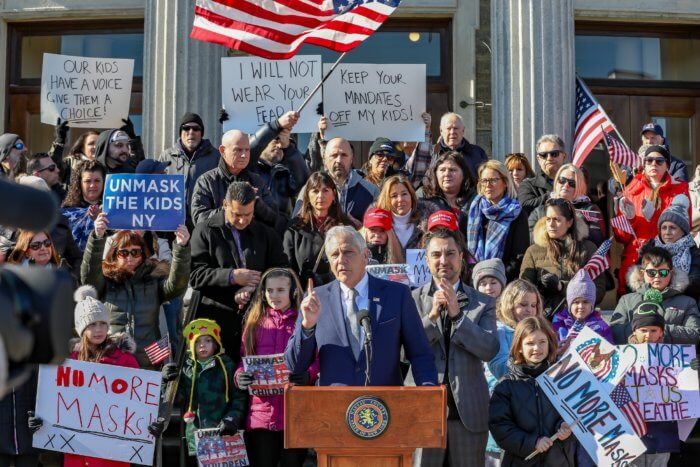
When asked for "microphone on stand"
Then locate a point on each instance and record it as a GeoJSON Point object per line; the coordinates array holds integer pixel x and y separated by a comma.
{"type": "Point", "coordinates": [364, 319]}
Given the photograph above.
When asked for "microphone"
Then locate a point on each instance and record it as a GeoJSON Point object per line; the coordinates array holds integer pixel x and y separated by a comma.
{"type": "Point", "coordinates": [366, 322]}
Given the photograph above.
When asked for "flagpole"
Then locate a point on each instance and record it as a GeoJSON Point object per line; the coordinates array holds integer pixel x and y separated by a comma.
{"type": "Point", "coordinates": [318, 86]}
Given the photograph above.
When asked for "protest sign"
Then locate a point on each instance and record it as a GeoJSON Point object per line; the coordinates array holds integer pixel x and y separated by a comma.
{"type": "Point", "coordinates": [418, 271]}
{"type": "Point", "coordinates": [97, 410]}
{"type": "Point", "coordinates": [144, 202]}
{"type": "Point", "coordinates": [390, 272]}
{"type": "Point", "coordinates": [600, 426]}
{"type": "Point", "coordinates": [85, 91]}
{"type": "Point", "coordinates": [366, 101]}
{"type": "Point", "coordinates": [255, 91]}
{"type": "Point", "coordinates": [662, 382]}
{"type": "Point", "coordinates": [270, 374]}
{"type": "Point", "coordinates": [214, 450]}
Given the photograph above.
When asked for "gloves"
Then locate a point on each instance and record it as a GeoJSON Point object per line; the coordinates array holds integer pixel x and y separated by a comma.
{"type": "Point", "coordinates": [169, 372]}
{"type": "Point", "coordinates": [223, 116]}
{"type": "Point", "coordinates": [319, 109]}
{"type": "Point", "coordinates": [302, 379]}
{"type": "Point", "coordinates": [34, 423]}
{"type": "Point", "coordinates": [648, 209]}
{"type": "Point", "coordinates": [227, 427]}
{"type": "Point", "coordinates": [627, 208]}
{"type": "Point", "coordinates": [550, 282]}
{"type": "Point", "coordinates": [244, 379]}
{"type": "Point", "coordinates": [60, 131]}
{"type": "Point", "coordinates": [694, 364]}
{"type": "Point", "coordinates": [156, 428]}
{"type": "Point", "coordinates": [128, 128]}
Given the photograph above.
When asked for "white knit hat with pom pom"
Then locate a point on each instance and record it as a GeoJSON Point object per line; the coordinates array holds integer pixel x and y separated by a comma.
{"type": "Point", "coordinates": [89, 309]}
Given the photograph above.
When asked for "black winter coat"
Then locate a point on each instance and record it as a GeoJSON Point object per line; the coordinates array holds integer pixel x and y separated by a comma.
{"type": "Point", "coordinates": [15, 437]}
{"type": "Point", "coordinates": [302, 246]}
{"type": "Point", "coordinates": [534, 191]}
{"type": "Point", "coordinates": [519, 414]}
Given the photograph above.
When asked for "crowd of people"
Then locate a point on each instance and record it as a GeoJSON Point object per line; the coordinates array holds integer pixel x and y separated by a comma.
{"type": "Point", "coordinates": [277, 242]}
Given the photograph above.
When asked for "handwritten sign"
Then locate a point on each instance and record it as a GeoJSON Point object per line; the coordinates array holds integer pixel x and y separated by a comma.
{"type": "Point", "coordinates": [366, 101]}
{"type": "Point", "coordinates": [85, 91]}
{"type": "Point", "coordinates": [144, 202]}
{"type": "Point", "coordinates": [214, 450]}
{"type": "Point", "coordinates": [663, 383]}
{"type": "Point", "coordinates": [270, 374]}
{"type": "Point", "coordinates": [255, 91]}
{"type": "Point", "coordinates": [418, 271]}
{"type": "Point", "coordinates": [97, 410]}
{"type": "Point", "coordinates": [390, 272]}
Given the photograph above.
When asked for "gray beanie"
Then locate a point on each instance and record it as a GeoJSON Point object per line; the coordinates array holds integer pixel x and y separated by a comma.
{"type": "Point", "coordinates": [89, 309]}
{"type": "Point", "coordinates": [489, 267]}
{"type": "Point", "coordinates": [7, 141]}
{"type": "Point", "coordinates": [580, 286]}
{"type": "Point", "coordinates": [677, 213]}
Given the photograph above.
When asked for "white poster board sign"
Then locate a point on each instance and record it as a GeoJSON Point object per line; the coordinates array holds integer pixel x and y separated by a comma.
{"type": "Point", "coordinates": [255, 91]}
{"type": "Point", "coordinates": [418, 271]}
{"type": "Point", "coordinates": [97, 410]}
{"type": "Point", "coordinates": [365, 101]}
{"type": "Point", "coordinates": [87, 92]}
{"type": "Point", "coordinates": [600, 426]}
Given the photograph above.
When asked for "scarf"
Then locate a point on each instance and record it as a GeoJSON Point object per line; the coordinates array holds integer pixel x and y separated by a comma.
{"type": "Point", "coordinates": [489, 244]}
{"type": "Point", "coordinates": [680, 251]}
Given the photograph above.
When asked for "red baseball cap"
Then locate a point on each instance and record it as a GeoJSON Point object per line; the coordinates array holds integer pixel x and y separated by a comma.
{"type": "Point", "coordinates": [377, 217]}
{"type": "Point", "coordinates": [446, 219]}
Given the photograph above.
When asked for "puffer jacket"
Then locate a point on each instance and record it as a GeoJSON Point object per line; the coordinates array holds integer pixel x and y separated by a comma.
{"type": "Point", "coordinates": [536, 263]}
{"type": "Point", "coordinates": [271, 337]}
{"type": "Point", "coordinates": [15, 436]}
{"type": "Point", "coordinates": [134, 304]}
{"type": "Point", "coordinates": [693, 289]}
{"type": "Point", "coordinates": [680, 311]}
{"type": "Point", "coordinates": [597, 230]}
{"type": "Point", "coordinates": [637, 191]}
{"type": "Point", "coordinates": [519, 414]}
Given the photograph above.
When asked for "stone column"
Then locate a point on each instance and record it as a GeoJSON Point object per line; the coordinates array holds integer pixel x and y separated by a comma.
{"type": "Point", "coordinates": [180, 75]}
{"type": "Point", "coordinates": [533, 73]}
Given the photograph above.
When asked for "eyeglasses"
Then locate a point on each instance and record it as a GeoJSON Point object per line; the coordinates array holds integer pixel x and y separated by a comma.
{"type": "Point", "coordinates": [550, 154]}
{"type": "Point", "coordinates": [567, 181]}
{"type": "Point", "coordinates": [489, 181]}
{"type": "Point", "coordinates": [37, 245]}
{"type": "Point", "coordinates": [654, 160]}
{"type": "Point", "coordinates": [654, 272]}
{"type": "Point", "coordinates": [50, 168]}
{"type": "Point", "coordinates": [124, 253]}
{"type": "Point", "coordinates": [19, 146]}
{"type": "Point", "coordinates": [191, 128]}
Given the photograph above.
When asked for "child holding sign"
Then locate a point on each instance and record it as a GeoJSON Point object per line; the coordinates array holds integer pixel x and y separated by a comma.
{"type": "Point", "coordinates": [268, 326]}
{"type": "Point", "coordinates": [521, 418]}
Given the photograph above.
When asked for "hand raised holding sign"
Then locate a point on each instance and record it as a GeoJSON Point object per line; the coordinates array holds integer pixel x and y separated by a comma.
{"type": "Point", "coordinates": [289, 119]}
{"type": "Point", "coordinates": [310, 307]}
{"type": "Point", "coordinates": [101, 224]}
{"type": "Point", "coordinates": [182, 235]}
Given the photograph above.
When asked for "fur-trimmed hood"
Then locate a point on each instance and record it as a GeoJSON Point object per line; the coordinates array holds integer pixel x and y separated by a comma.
{"type": "Point", "coordinates": [540, 230]}
{"type": "Point", "coordinates": [120, 340]}
{"type": "Point", "coordinates": [635, 280]}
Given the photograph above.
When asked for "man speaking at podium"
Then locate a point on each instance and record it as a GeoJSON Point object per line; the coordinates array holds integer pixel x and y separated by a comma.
{"type": "Point", "coordinates": [330, 326]}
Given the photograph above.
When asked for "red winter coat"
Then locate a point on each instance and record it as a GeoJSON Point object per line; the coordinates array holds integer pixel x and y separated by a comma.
{"type": "Point", "coordinates": [638, 190]}
{"type": "Point", "coordinates": [122, 355]}
{"type": "Point", "coordinates": [272, 335]}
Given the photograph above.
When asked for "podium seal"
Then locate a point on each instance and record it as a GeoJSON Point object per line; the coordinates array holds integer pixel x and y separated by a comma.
{"type": "Point", "coordinates": [367, 417]}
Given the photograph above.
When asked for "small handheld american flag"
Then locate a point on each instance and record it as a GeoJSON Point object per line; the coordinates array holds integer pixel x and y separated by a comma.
{"type": "Point", "coordinates": [620, 153]}
{"type": "Point", "coordinates": [621, 223]}
{"type": "Point", "coordinates": [630, 409]}
{"type": "Point", "coordinates": [599, 261]}
{"type": "Point", "coordinates": [158, 350]}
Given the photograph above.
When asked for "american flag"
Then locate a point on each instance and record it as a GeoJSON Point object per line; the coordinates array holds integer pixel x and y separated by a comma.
{"type": "Point", "coordinates": [590, 216]}
{"type": "Point", "coordinates": [575, 330]}
{"type": "Point", "coordinates": [591, 122]}
{"type": "Point", "coordinates": [629, 408]}
{"type": "Point", "coordinates": [599, 261]}
{"type": "Point", "coordinates": [621, 223]}
{"type": "Point", "coordinates": [158, 350]}
{"type": "Point", "coordinates": [620, 153]}
{"type": "Point", "coordinates": [275, 29]}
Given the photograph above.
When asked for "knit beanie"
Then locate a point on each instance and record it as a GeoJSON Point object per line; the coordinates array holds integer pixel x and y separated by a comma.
{"type": "Point", "coordinates": [192, 118]}
{"type": "Point", "coordinates": [489, 268]}
{"type": "Point", "coordinates": [88, 309]}
{"type": "Point", "coordinates": [649, 312]}
{"type": "Point", "coordinates": [677, 213]}
{"type": "Point", "coordinates": [7, 141]}
{"type": "Point", "coordinates": [580, 286]}
{"type": "Point", "coordinates": [663, 150]}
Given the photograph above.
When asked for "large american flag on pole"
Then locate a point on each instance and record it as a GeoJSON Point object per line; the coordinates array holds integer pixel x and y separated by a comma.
{"type": "Point", "coordinates": [620, 153]}
{"type": "Point", "coordinates": [630, 409]}
{"type": "Point", "coordinates": [275, 29]}
{"type": "Point", "coordinates": [599, 261]}
{"type": "Point", "coordinates": [591, 122]}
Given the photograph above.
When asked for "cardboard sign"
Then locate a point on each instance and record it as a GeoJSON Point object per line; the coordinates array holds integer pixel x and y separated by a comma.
{"type": "Point", "coordinates": [255, 91]}
{"type": "Point", "coordinates": [366, 101]}
{"type": "Point", "coordinates": [97, 410]}
{"type": "Point", "coordinates": [85, 91]}
{"type": "Point", "coordinates": [663, 383]}
{"type": "Point", "coordinates": [214, 450]}
{"type": "Point", "coordinates": [270, 374]}
{"type": "Point", "coordinates": [144, 202]}
{"type": "Point", "coordinates": [390, 272]}
{"type": "Point", "coordinates": [600, 426]}
{"type": "Point", "coordinates": [418, 271]}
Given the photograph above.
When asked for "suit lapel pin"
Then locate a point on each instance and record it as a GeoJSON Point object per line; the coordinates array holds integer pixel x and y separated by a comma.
{"type": "Point", "coordinates": [375, 299]}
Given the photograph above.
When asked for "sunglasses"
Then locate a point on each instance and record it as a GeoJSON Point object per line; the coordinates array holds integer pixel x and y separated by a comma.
{"type": "Point", "coordinates": [489, 181]}
{"type": "Point", "coordinates": [19, 146]}
{"type": "Point", "coordinates": [37, 245]}
{"type": "Point", "coordinates": [654, 272]}
{"type": "Point", "coordinates": [550, 154]}
{"type": "Point", "coordinates": [50, 168]}
{"type": "Point", "coordinates": [654, 160]}
{"type": "Point", "coordinates": [191, 127]}
{"type": "Point", "coordinates": [384, 155]}
{"type": "Point", "coordinates": [567, 181]}
{"type": "Point", "coordinates": [124, 253]}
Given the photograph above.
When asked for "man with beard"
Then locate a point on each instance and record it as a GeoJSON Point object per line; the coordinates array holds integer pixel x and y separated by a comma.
{"type": "Point", "coordinates": [533, 192]}
{"type": "Point", "coordinates": [452, 139]}
{"type": "Point", "coordinates": [112, 151]}
{"type": "Point", "coordinates": [12, 150]}
{"type": "Point", "coordinates": [276, 175]}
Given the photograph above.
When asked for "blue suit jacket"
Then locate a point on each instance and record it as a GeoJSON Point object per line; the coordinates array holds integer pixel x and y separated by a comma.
{"type": "Point", "coordinates": [395, 323]}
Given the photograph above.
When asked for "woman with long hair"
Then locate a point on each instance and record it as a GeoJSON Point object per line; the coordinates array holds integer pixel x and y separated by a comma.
{"type": "Point", "coordinates": [84, 200]}
{"type": "Point", "coordinates": [36, 249]}
{"type": "Point", "coordinates": [304, 238]}
{"type": "Point", "coordinates": [82, 150]}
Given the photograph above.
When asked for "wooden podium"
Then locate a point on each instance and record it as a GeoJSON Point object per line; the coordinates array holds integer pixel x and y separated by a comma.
{"type": "Point", "coordinates": [321, 418]}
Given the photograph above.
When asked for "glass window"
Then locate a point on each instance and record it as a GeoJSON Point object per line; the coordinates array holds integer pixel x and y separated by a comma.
{"type": "Point", "coordinates": [644, 58]}
{"type": "Point", "coordinates": [678, 134]}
